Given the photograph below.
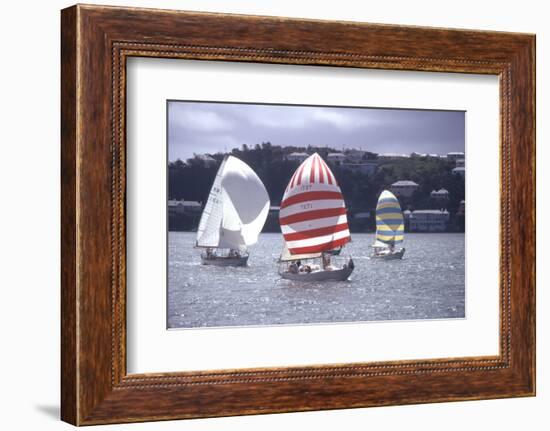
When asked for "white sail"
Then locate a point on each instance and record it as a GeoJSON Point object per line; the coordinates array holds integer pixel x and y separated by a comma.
{"type": "Point", "coordinates": [238, 210]}
{"type": "Point", "coordinates": [208, 233]}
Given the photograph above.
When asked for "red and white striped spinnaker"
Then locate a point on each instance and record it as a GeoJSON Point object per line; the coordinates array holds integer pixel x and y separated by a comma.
{"type": "Point", "coordinates": [313, 212]}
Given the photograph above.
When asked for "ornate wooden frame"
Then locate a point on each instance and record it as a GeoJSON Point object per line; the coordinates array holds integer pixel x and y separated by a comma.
{"type": "Point", "coordinates": [95, 42]}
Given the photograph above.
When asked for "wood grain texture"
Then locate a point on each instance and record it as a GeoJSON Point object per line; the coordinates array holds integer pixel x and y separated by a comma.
{"type": "Point", "coordinates": [96, 41]}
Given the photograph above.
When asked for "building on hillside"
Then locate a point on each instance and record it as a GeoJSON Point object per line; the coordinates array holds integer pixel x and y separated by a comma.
{"type": "Point", "coordinates": [414, 154]}
{"type": "Point", "coordinates": [439, 195]}
{"type": "Point", "coordinates": [404, 188]}
{"type": "Point", "coordinates": [336, 158]}
{"type": "Point", "coordinates": [366, 167]}
{"type": "Point", "coordinates": [428, 221]}
{"type": "Point", "coordinates": [460, 171]}
{"type": "Point", "coordinates": [393, 156]}
{"type": "Point", "coordinates": [177, 207]}
{"type": "Point", "coordinates": [192, 206]}
{"type": "Point", "coordinates": [455, 155]}
{"type": "Point", "coordinates": [297, 157]}
{"type": "Point", "coordinates": [355, 156]}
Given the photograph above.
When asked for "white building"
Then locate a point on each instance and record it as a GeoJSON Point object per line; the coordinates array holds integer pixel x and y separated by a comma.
{"type": "Point", "coordinates": [176, 207]}
{"type": "Point", "coordinates": [336, 158]}
{"type": "Point", "coordinates": [366, 168]}
{"type": "Point", "coordinates": [460, 171]}
{"type": "Point", "coordinates": [440, 195]}
{"type": "Point", "coordinates": [393, 156]}
{"type": "Point", "coordinates": [428, 220]}
{"type": "Point", "coordinates": [404, 188]}
{"type": "Point", "coordinates": [192, 206]}
{"type": "Point", "coordinates": [414, 154]}
{"type": "Point", "coordinates": [455, 155]}
{"type": "Point", "coordinates": [297, 157]}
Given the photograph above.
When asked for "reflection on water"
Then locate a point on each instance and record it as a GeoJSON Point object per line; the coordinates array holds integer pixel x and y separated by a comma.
{"type": "Point", "coordinates": [427, 284]}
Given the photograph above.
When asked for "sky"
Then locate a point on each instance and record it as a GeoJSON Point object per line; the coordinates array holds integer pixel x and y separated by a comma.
{"type": "Point", "coordinates": [205, 127]}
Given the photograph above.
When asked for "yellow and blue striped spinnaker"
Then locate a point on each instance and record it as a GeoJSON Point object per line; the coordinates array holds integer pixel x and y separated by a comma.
{"type": "Point", "coordinates": [390, 225]}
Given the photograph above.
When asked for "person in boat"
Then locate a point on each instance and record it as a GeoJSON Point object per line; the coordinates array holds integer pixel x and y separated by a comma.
{"type": "Point", "coordinates": [234, 253]}
{"type": "Point", "coordinates": [293, 268]}
{"type": "Point", "coordinates": [327, 266]}
{"type": "Point", "coordinates": [349, 264]}
{"type": "Point", "coordinates": [306, 269]}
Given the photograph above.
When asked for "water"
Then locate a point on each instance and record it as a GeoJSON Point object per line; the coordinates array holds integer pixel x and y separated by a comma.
{"type": "Point", "coordinates": [427, 284]}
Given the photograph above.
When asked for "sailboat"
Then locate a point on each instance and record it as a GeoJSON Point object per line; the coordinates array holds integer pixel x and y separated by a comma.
{"type": "Point", "coordinates": [314, 225]}
{"type": "Point", "coordinates": [390, 228]}
{"type": "Point", "coordinates": [233, 216]}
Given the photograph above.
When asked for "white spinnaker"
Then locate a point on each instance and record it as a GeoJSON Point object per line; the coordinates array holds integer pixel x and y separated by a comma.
{"type": "Point", "coordinates": [243, 204]}
{"type": "Point", "coordinates": [208, 233]}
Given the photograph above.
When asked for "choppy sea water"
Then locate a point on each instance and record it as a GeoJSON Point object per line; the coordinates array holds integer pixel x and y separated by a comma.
{"type": "Point", "coordinates": [427, 284]}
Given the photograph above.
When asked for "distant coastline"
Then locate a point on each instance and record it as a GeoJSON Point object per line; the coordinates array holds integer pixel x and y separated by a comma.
{"type": "Point", "coordinates": [430, 187]}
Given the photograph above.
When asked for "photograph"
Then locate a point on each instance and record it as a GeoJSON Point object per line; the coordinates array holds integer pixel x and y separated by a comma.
{"type": "Point", "coordinates": [298, 214]}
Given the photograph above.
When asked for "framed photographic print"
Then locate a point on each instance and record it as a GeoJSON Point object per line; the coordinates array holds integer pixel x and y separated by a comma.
{"type": "Point", "coordinates": [268, 215]}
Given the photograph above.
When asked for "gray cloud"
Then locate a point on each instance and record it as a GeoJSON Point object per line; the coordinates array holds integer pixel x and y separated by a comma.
{"type": "Point", "coordinates": [204, 127]}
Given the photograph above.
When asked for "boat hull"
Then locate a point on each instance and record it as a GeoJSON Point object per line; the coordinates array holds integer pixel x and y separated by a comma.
{"type": "Point", "coordinates": [389, 256]}
{"type": "Point", "coordinates": [335, 275]}
{"type": "Point", "coordinates": [225, 261]}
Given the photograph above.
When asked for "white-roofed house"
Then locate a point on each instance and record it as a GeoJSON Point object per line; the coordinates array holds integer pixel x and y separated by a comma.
{"type": "Point", "coordinates": [175, 207]}
{"type": "Point", "coordinates": [440, 195]}
{"type": "Point", "coordinates": [336, 158]}
{"type": "Point", "coordinates": [393, 156]}
{"type": "Point", "coordinates": [428, 220]}
{"type": "Point", "coordinates": [455, 155]}
{"type": "Point", "coordinates": [404, 188]}
{"type": "Point", "coordinates": [297, 157]}
{"type": "Point", "coordinates": [460, 171]}
{"type": "Point", "coordinates": [182, 206]}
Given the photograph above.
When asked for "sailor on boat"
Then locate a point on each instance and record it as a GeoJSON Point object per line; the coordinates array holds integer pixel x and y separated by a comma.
{"type": "Point", "coordinates": [314, 225]}
{"type": "Point", "coordinates": [233, 216]}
